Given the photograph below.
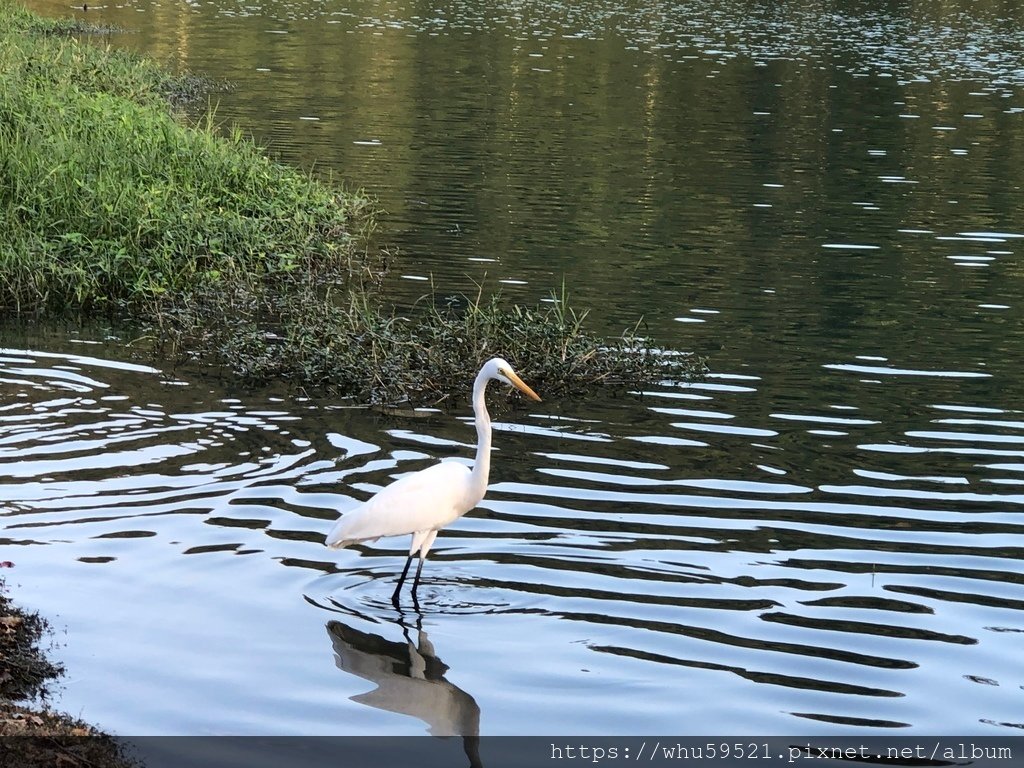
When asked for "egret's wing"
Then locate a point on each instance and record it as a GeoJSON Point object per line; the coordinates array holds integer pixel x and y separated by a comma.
{"type": "Point", "coordinates": [425, 500]}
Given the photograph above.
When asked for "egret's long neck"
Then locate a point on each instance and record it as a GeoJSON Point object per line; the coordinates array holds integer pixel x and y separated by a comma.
{"type": "Point", "coordinates": [482, 465]}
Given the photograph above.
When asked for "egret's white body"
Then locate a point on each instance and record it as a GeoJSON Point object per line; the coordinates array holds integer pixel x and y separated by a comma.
{"type": "Point", "coordinates": [426, 501]}
{"type": "Point", "coordinates": [421, 504]}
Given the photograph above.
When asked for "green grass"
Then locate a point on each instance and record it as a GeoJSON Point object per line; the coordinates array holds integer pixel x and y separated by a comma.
{"type": "Point", "coordinates": [108, 199]}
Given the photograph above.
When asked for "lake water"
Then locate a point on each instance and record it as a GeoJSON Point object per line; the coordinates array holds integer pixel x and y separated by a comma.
{"type": "Point", "coordinates": [823, 536]}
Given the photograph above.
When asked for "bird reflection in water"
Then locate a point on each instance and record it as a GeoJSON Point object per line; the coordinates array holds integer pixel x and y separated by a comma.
{"type": "Point", "coordinates": [410, 681]}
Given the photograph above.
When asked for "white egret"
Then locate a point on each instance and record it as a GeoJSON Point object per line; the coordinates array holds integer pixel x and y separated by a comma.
{"type": "Point", "coordinates": [426, 501]}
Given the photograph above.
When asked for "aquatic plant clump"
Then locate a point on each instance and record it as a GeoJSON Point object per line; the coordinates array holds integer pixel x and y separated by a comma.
{"type": "Point", "coordinates": [108, 200]}
{"type": "Point", "coordinates": [353, 348]}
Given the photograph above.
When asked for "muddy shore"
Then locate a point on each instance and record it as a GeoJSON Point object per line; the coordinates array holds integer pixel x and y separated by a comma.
{"type": "Point", "coordinates": [32, 732]}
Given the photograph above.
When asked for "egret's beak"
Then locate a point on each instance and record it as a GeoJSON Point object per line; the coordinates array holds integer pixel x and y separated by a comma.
{"type": "Point", "coordinates": [521, 386]}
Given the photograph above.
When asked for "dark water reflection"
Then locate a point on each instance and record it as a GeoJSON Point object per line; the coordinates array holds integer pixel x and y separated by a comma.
{"type": "Point", "coordinates": [825, 535]}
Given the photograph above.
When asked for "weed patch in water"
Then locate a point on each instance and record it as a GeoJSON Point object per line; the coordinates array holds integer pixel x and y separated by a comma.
{"type": "Point", "coordinates": [352, 347]}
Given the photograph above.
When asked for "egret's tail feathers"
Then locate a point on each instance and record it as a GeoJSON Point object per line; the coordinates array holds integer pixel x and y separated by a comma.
{"type": "Point", "coordinates": [342, 534]}
{"type": "Point", "coordinates": [338, 543]}
{"type": "Point", "coordinates": [337, 539]}
{"type": "Point", "coordinates": [342, 543]}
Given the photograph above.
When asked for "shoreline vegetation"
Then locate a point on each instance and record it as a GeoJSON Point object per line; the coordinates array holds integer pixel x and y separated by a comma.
{"type": "Point", "coordinates": [113, 204]}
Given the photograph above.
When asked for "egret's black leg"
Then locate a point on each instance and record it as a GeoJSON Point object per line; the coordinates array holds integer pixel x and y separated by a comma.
{"type": "Point", "coordinates": [416, 581]}
{"type": "Point", "coordinates": [401, 580]}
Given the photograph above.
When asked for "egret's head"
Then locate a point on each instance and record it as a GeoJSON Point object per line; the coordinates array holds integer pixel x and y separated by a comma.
{"type": "Point", "coordinates": [498, 368]}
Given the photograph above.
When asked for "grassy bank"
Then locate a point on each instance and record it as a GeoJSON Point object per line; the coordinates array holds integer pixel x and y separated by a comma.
{"type": "Point", "coordinates": [109, 199]}
{"type": "Point", "coordinates": [110, 202]}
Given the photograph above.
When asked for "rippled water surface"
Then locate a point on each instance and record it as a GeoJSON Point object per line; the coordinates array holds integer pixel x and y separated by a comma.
{"type": "Point", "coordinates": [823, 536]}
